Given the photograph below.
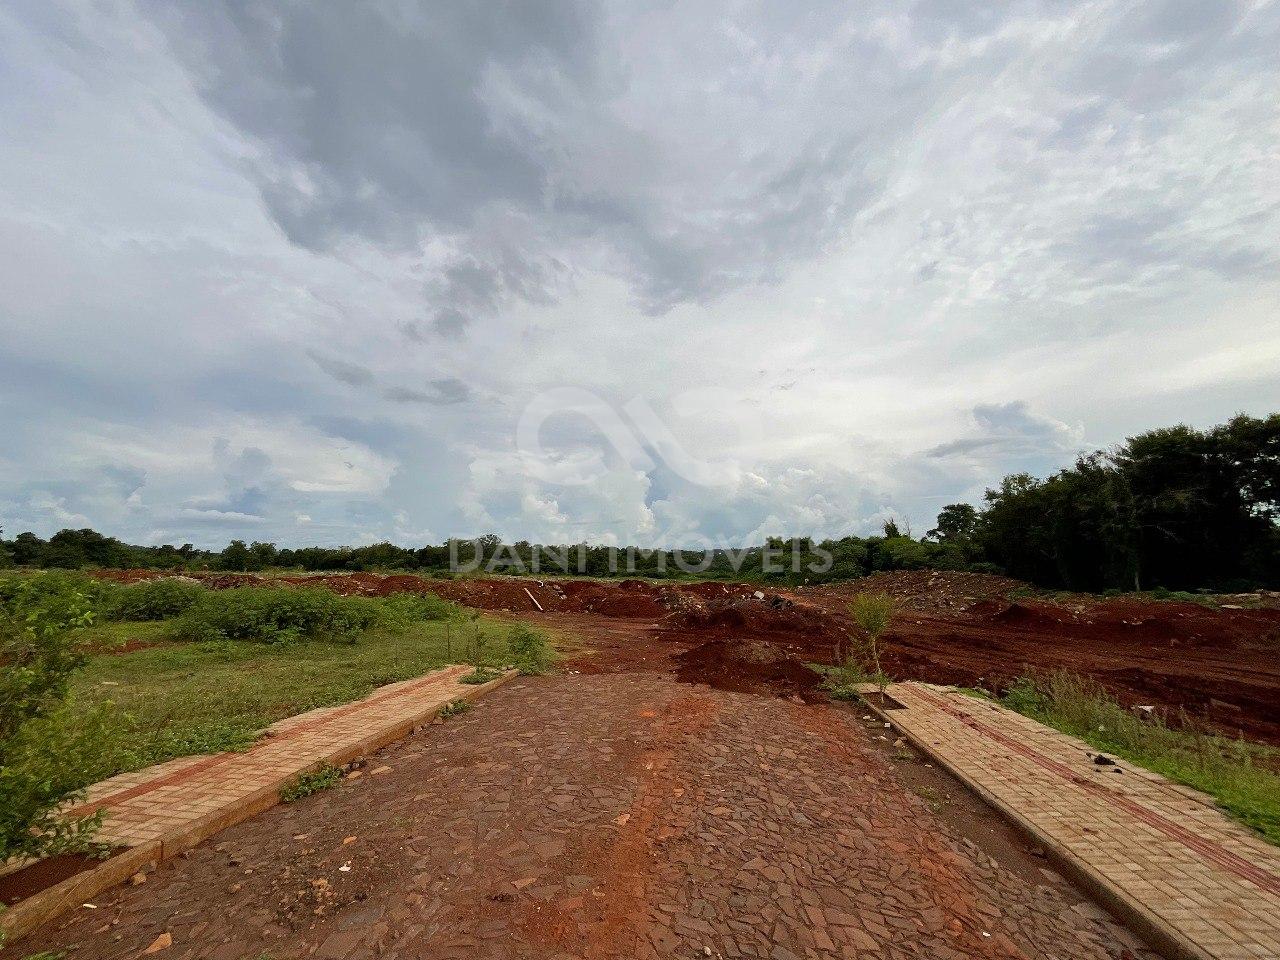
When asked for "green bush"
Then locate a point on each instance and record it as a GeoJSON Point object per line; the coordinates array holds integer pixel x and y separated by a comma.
{"type": "Point", "coordinates": [529, 649]}
{"type": "Point", "coordinates": [55, 594]}
{"type": "Point", "coordinates": [154, 600]}
{"type": "Point", "coordinates": [404, 608]}
{"type": "Point", "coordinates": [277, 615]}
{"type": "Point", "coordinates": [41, 755]}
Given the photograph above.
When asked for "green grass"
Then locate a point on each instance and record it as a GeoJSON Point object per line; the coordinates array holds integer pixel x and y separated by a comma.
{"type": "Point", "coordinates": [109, 636]}
{"type": "Point", "coordinates": [176, 699]}
{"type": "Point", "coordinates": [305, 784]}
{"type": "Point", "coordinates": [1241, 776]}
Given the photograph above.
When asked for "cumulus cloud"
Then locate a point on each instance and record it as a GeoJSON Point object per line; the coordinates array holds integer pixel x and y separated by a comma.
{"type": "Point", "coordinates": [296, 271]}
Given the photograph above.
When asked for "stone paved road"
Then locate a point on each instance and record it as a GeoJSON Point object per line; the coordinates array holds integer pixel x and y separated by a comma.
{"type": "Point", "coordinates": [604, 815]}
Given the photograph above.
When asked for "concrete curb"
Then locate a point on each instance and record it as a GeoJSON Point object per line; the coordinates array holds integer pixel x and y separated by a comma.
{"type": "Point", "coordinates": [23, 917]}
{"type": "Point", "coordinates": [1116, 900]}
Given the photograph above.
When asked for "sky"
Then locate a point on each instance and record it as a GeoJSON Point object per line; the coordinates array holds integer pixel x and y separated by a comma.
{"type": "Point", "coordinates": [636, 273]}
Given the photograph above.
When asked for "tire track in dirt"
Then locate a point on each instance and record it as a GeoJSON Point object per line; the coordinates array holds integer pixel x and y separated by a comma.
{"type": "Point", "coordinates": [626, 867]}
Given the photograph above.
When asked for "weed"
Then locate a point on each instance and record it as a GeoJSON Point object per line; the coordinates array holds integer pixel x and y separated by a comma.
{"type": "Point", "coordinates": [454, 708]}
{"type": "Point", "coordinates": [305, 784]}
{"type": "Point", "coordinates": [480, 675]}
{"type": "Point", "coordinates": [931, 796]}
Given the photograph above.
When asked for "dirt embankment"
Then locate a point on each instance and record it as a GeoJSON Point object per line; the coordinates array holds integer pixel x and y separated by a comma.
{"type": "Point", "coordinates": [618, 598]}
{"type": "Point", "coordinates": [1220, 664]}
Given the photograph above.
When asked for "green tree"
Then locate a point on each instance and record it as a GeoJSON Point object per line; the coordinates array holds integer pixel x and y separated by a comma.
{"type": "Point", "coordinates": [957, 523]}
{"type": "Point", "coordinates": [235, 556]}
{"type": "Point", "coordinates": [28, 550]}
{"type": "Point", "coordinates": [40, 754]}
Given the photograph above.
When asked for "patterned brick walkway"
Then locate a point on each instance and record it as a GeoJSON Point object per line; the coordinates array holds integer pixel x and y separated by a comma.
{"type": "Point", "coordinates": [179, 803]}
{"type": "Point", "coordinates": [1176, 860]}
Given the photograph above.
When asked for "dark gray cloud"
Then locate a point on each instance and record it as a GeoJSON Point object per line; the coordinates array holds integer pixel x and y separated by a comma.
{"type": "Point", "coordinates": [352, 374]}
{"type": "Point", "coordinates": [407, 122]}
{"type": "Point", "coordinates": [445, 391]}
{"type": "Point", "coordinates": [1011, 430]}
{"type": "Point", "coordinates": [376, 114]}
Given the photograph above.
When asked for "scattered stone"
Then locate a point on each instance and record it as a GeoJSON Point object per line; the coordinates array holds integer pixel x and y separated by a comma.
{"type": "Point", "coordinates": [162, 942]}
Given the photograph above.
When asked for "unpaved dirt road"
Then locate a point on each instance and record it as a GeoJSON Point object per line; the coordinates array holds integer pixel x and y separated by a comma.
{"type": "Point", "coordinates": [613, 810]}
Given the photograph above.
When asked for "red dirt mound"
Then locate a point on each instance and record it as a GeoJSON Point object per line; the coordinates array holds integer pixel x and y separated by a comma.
{"type": "Point", "coordinates": [750, 666]}
{"type": "Point", "coordinates": [932, 590]}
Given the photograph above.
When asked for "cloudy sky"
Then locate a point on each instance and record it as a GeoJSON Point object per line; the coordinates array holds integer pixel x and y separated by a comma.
{"type": "Point", "coordinates": [649, 273]}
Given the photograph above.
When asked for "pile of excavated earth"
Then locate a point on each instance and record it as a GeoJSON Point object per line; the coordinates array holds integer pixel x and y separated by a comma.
{"type": "Point", "coordinates": [1219, 660]}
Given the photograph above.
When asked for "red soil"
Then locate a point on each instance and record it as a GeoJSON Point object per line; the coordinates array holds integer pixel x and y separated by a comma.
{"type": "Point", "coordinates": [1222, 665]}
{"type": "Point", "coordinates": [22, 883]}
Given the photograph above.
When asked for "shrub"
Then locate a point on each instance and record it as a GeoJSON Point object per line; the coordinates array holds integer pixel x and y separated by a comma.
{"type": "Point", "coordinates": [873, 612]}
{"type": "Point", "coordinates": [57, 596]}
{"type": "Point", "coordinates": [154, 600]}
{"type": "Point", "coordinates": [403, 608]}
{"type": "Point", "coordinates": [276, 615]}
{"type": "Point", "coordinates": [529, 649]}
{"type": "Point", "coordinates": [41, 756]}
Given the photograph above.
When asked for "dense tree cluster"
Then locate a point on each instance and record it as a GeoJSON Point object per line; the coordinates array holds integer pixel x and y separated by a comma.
{"type": "Point", "coordinates": [1176, 508]}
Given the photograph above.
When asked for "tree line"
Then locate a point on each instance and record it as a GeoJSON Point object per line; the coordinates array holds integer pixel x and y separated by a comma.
{"type": "Point", "coordinates": [1177, 508]}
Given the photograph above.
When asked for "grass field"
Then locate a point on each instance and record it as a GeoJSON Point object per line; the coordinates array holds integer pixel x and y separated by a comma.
{"type": "Point", "coordinates": [175, 699]}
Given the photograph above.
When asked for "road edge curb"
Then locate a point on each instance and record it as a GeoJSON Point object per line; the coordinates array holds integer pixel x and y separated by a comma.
{"type": "Point", "coordinates": [25, 916]}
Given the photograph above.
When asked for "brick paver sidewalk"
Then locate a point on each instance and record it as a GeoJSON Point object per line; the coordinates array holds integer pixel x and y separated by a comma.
{"type": "Point", "coordinates": [179, 803]}
{"type": "Point", "coordinates": [1162, 851]}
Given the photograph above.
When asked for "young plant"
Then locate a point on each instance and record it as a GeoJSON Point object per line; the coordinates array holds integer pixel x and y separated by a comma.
{"type": "Point", "coordinates": [874, 613]}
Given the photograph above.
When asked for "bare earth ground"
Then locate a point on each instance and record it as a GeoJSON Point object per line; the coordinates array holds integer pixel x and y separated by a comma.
{"type": "Point", "coordinates": [612, 810]}
{"type": "Point", "coordinates": [1221, 666]}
